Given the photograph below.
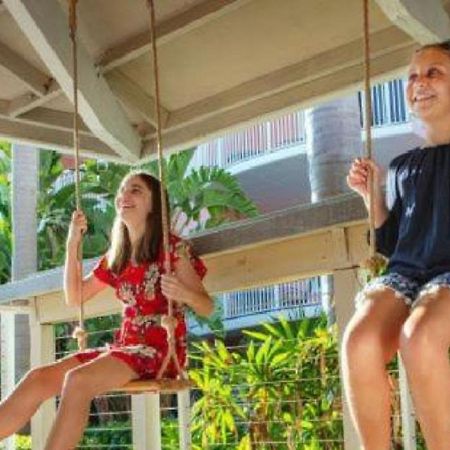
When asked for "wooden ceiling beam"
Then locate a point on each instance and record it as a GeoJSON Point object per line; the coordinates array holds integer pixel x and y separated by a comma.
{"type": "Point", "coordinates": [54, 139]}
{"type": "Point", "coordinates": [59, 120]}
{"type": "Point", "coordinates": [166, 30]}
{"type": "Point", "coordinates": [28, 101]}
{"type": "Point", "coordinates": [311, 91]}
{"type": "Point", "coordinates": [45, 25]}
{"type": "Point", "coordinates": [302, 72]}
{"type": "Point", "coordinates": [37, 81]}
{"type": "Point", "coordinates": [134, 97]}
{"type": "Point", "coordinates": [425, 21]}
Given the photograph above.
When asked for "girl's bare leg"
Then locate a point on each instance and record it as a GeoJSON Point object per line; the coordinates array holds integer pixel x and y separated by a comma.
{"type": "Point", "coordinates": [370, 342]}
{"type": "Point", "coordinates": [81, 385]}
{"type": "Point", "coordinates": [38, 385]}
{"type": "Point", "coordinates": [424, 345]}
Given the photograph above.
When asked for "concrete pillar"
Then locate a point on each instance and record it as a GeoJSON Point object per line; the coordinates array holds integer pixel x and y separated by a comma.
{"type": "Point", "coordinates": [333, 133]}
{"type": "Point", "coordinates": [15, 327]}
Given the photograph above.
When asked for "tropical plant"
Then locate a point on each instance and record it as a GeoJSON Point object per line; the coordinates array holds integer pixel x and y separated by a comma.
{"type": "Point", "coordinates": [56, 201]}
{"type": "Point", "coordinates": [5, 212]}
{"type": "Point", "coordinates": [281, 392]}
{"type": "Point", "coordinates": [202, 198]}
{"type": "Point", "coordinates": [199, 199]}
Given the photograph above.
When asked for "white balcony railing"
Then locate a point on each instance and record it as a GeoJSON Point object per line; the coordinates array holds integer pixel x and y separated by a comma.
{"type": "Point", "coordinates": [257, 140]}
{"type": "Point", "coordinates": [389, 108]}
{"type": "Point", "coordinates": [275, 298]}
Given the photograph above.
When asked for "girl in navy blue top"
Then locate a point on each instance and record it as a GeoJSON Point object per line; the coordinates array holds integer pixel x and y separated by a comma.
{"type": "Point", "coordinates": [408, 309]}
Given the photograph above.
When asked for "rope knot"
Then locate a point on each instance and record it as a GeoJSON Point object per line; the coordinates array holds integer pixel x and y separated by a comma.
{"type": "Point", "coordinates": [169, 323]}
{"type": "Point", "coordinates": [81, 336]}
{"type": "Point", "coordinates": [375, 265]}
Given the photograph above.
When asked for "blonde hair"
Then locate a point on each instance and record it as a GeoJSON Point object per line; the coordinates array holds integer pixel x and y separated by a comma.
{"type": "Point", "coordinates": [149, 245]}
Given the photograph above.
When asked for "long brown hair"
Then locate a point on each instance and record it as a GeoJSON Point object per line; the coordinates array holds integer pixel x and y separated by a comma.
{"type": "Point", "coordinates": [149, 246]}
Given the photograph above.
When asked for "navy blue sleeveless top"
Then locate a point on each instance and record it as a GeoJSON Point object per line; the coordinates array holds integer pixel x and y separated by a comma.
{"type": "Point", "coordinates": [416, 234]}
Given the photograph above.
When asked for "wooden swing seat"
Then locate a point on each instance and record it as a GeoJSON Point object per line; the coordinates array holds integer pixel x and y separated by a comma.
{"type": "Point", "coordinates": [163, 386]}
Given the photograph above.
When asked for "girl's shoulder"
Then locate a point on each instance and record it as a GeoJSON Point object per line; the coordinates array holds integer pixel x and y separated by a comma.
{"type": "Point", "coordinates": [404, 158]}
{"type": "Point", "coordinates": [103, 272]}
{"type": "Point", "coordinates": [418, 155]}
{"type": "Point", "coordinates": [182, 248]}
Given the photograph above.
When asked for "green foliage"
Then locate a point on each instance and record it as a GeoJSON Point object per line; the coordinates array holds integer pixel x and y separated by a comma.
{"type": "Point", "coordinates": [281, 392]}
{"type": "Point", "coordinates": [169, 433]}
{"type": "Point", "coordinates": [5, 212]}
{"type": "Point", "coordinates": [56, 204]}
{"type": "Point", "coordinates": [20, 442]}
{"type": "Point", "coordinates": [212, 191]}
{"type": "Point", "coordinates": [207, 197]}
{"type": "Point", "coordinates": [113, 433]}
{"type": "Point", "coordinates": [23, 442]}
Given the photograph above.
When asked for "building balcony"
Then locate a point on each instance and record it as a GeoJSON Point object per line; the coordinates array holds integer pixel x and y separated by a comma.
{"type": "Point", "coordinates": [293, 300]}
{"type": "Point", "coordinates": [285, 136]}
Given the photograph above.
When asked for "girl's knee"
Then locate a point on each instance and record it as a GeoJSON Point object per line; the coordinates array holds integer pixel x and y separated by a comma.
{"type": "Point", "coordinates": [37, 376]}
{"type": "Point", "coordinates": [418, 339]}
{"type": "Point", "coordinates": [363, 340]}
{"type": "Point", "coordinates": [358, 339]}
{"type": "Point", "coordinates": [78, 381]}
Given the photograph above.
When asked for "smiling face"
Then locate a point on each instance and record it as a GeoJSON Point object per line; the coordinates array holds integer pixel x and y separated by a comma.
{"type": "Point", "coordinates": [428, 89]}
{"type": "Point", "coordinates": [134, 201]}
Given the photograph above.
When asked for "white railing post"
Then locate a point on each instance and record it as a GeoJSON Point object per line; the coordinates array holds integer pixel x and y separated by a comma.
{"type": "Point", "coordinates": [184, 419]}
{"type": "Point", "coordinates": [224, 298]}
{"type": "Point", "coordinates": [269, 136]}
{"type": "Point", "coordinates": [407, 410]}
{"type": "Point", "coordinates": [42, 352]}
{"type": "Point", "coordinates": [387, 104]}
{"type": "Point", "coordinates": [8, 362]}
{"type": "Point", "coordinates": [276, 296]}
{"type": "Point", "coordinates": [221, 151]}
{"type": "Point", "coordinates": [146, 419]}
{"type": "Point", "coordinates": [345, 288]}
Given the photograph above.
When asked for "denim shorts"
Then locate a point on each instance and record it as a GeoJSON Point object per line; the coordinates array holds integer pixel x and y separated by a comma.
{"type": "Point", "coordinates": [407, 289]}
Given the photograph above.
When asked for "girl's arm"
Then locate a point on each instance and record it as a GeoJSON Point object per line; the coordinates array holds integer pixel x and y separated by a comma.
{"type": "Point", "coordinates": [90, 285]}
{"type": "Point", "coordinates": [185, 286]}
{"type": "Point", "coordinates": [358, 181]}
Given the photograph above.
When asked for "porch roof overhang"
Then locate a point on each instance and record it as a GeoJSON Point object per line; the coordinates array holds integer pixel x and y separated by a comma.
{"type": "Point", "coordinates": [223, 64]}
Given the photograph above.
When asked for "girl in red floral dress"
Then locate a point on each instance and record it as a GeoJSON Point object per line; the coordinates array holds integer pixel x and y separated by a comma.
{"type": "Point", "coordinates": [133, 266]}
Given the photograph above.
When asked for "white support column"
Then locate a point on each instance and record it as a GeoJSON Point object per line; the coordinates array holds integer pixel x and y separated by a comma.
{"type": "Point", "coordinates": [345, 288]}
{"type": "Point", "coordinates": [276, 297]}
{"type": "Point", "coordinates": [146, 413]}
{"type": "Point", "coordinates": [25, 186]}
{"type": "Point", "coordinates": [221, 152]}
{"type": "Point", "coordinates": [42, 352]}
{"type": "Point", "coordinates": [8, 362]}
{"type": "Point", "coordinates": [226, 306]}
{"type": "Point", "coordinates": [407, 411]}
{"type": "Point", "coordinates": [184, 419]}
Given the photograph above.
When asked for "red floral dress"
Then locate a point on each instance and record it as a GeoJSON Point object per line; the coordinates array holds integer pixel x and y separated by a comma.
{"type": "Point", "coordinates": [141, 341]}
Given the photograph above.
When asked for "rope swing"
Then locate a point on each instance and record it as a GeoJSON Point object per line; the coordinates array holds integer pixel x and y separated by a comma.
{"type": "Point", "coordinates": [375, 262]}
{"type": "Point", "coordinates": [168, 321]}
{"type": "Point", "coordinates": [79, 333]}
